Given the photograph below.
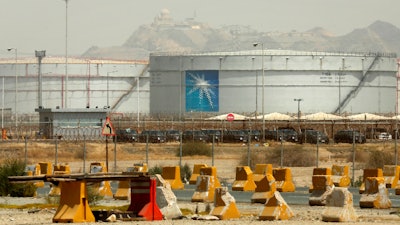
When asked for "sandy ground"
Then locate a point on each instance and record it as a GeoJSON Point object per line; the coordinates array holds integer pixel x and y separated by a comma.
{"type": "Point", "coordinates": [225, 165]}
{"type": "Point", "coordinates": [249, 215]}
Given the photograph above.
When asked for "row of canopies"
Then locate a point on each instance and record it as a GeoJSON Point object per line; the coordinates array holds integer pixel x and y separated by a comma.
{"type": "Point", "coordinates": [320, 116]}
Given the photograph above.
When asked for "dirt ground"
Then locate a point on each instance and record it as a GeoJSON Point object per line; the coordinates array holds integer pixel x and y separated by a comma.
{"type": "Point", "coordinates": [226, 158]}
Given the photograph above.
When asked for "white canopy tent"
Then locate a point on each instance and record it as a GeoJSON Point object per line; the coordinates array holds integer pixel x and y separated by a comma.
{"type": "Point", "coordinates": [367, 116]}
{"type": "Point", "coordinates": [275, 116]}
{"type": "Point", "coordinates": [225, 117]}
{"type": "Point", "coordinates": [320, 116]}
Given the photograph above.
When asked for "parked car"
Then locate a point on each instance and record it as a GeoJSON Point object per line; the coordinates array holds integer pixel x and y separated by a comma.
{"type": "Point", "coordinates": [384, 136]}
{"type": "Point", "coordinates": [288, 134]}
{"type": "Point", "coordinates": [271, 135]}
{"type": "Point", "coordinates": [311, 136]}
{"type": "Point", "coordinates": [172, 135]}
{"type": "Point", "coordinates": [217, 134]}
{"type": "Point", "coordinates": [126, 135]}
{"type": "Point", "coordinates": [194, 135]}
{"type": "Point", "coordinates": [255, 135]}
{"type": "Point", "coordinates": [155, 136]}
{"type": "Point", "coordinates": [236, 136]}
{"type": "Point", "coordinates": [346, 136]}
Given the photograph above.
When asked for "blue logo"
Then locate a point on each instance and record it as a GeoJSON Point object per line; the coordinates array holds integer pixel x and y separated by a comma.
{"type": "Point", "coordinates": [202, 91]}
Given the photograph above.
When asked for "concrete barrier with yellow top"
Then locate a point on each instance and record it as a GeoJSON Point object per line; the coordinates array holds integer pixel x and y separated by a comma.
{"type": "Point", "coordinates": [339, 206]}
{"type": "Point", "coordinates": [244, 179]}
{"type": "Point", "coordinates": [319, 171]}
{"type": "Point", "coordinates": [391, 174]}
{"type": "Point", "coordinates": [284, 181]}
{"type": "Point", "coordinates": [276, 208]}
{"type": "Point", "coordinates": [322, 187]}
{"type": "Point", "coordinates": [55, 189]}
{"type": "Point", "coordinates": [211, 171]}
{"type": "Point", "coordinates": [206, 183]}
{"type": "Point", "coordinates": [375, 194]}
{"type": "Point", "coordinates": [340, 176]}
{"type": "Point", "coordinates": [261, 170]}
{"type": "Point", "coordinates": [74, 206]}
{"type": "Point", "coordinates": [172, 174]}
{"type": "Point", "coordinates": [196, 172]}
{"type": "Point", "coordinates": [103, 188]}
{"type": "Point", "coordinates": [266, 187]}
{"type": "Point", "coordinates": [224, 205]}
{"type": "Point", "coordinates": [369, 173]}
{"type": "Point", "coordinates": [123, 191]}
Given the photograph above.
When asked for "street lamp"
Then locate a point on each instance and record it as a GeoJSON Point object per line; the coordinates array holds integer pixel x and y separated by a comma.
{"type": "Point", "coordinates": [298, 100]}
{"type": "Point", "coordinates": [40, 55]}
{"type": "Point", "coordinates": [108, 73]}
{"type": "Point", "coordinates": [262, 88]}
{"type": "Point", "coordinates": [16, 85]}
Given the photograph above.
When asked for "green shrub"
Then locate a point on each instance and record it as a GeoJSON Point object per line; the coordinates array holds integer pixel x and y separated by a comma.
{"type": "Point", "coordinates": [15, 167]}
{"type": "Point", "coordinates": [93, 195]}
{"type": "Point", "coordinates": [186, 173]}
{"type": "Point", "coordinates": [194, 148]}
{"type": "Point", "coordinates": [155, 170]}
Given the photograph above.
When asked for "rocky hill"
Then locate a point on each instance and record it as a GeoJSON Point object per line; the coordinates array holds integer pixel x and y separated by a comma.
{"type": "Point", "coordinates": [167, 35]}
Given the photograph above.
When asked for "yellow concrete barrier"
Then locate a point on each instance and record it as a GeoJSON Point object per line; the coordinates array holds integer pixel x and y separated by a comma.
{"type": "Point", "coordinates": [244, 179]}
{"type": "Point", "coordinates": [319, 171]}
{"type": "Point", "coordinates": [284, 181]}
{"type": "Point", "coordinates": [46, 168]}
{"type": "Point", "coordinates": [224, 205]}
{"type": "Point", "coordinates": [340, 176]}
{"type": "Point", "coordinates": [196, 173]}
{"type": "Point", "coordinates": [391, 175]}
{"type": "Point", "coordinates": [103, 188]}
{"type": "Point", "coordinates": [123, 191]}
{"type": "Point", "coordinates": [265, 189]}
{"type": "Point", "coordinates": [205, 189]}
{"type": "Point", "coordinates": [211, 171]}
{"type": "Point", "coordinates": [172, 174]}
{"type": "Point", "coordinates": [376, 194]}
{"type": "Point", "coordinates": [74, 206]}
{"type": "Point", "coordinates": [276, 208]}
{"type": "Point", "coordinates": [322, 187]}
{"type": "Point", "coordinates": [369, 173]}
{"type": "Point", "coordinates": [206, 183]}
{"type": "Point", "coordinates": [55, 189]}
{"type": "Point", "coordinates": [260, 171]}
{"type": "Point", "coordinates": [339, 206]}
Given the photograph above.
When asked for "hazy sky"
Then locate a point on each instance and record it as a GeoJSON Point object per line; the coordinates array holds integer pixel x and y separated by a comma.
{"type": "Point", "coordinates": [30, 25]}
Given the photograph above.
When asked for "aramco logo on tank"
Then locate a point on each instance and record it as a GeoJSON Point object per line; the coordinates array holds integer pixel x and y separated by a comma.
{"type": "Point", "coordinates": [202, 91]}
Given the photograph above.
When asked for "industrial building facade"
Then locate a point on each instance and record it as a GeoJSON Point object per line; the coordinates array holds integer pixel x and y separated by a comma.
{"type": "Point", "coordinates": [340, 83]}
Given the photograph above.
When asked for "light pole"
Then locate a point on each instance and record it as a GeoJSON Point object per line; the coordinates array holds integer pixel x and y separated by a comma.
{"type": "Point", "coordinates": [298, 100]}
{"type": "Point", "coordinates": [16, 85]}
{"type": "Point", "coordinates": [66, 54]}
{"type": "Point", "coordinates": [262, 88]}
{"type": "Point", "coordinates": [40, 55]}
{"type": "Point", "coordinates": [108, 87]}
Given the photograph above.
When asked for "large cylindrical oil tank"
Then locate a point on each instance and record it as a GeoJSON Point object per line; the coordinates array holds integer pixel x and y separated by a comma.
{"type": "Point", "coordinates": [221, 82]}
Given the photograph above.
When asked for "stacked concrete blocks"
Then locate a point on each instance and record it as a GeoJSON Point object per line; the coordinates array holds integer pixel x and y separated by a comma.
{"type": "Point", "coordinates": [376, 194]}
{"type": "Point", "coordinates": [322, 187]}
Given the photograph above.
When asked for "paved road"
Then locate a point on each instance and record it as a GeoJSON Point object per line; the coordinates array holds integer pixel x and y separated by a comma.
{"type": "Point", "coordinates": [299, 197]}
